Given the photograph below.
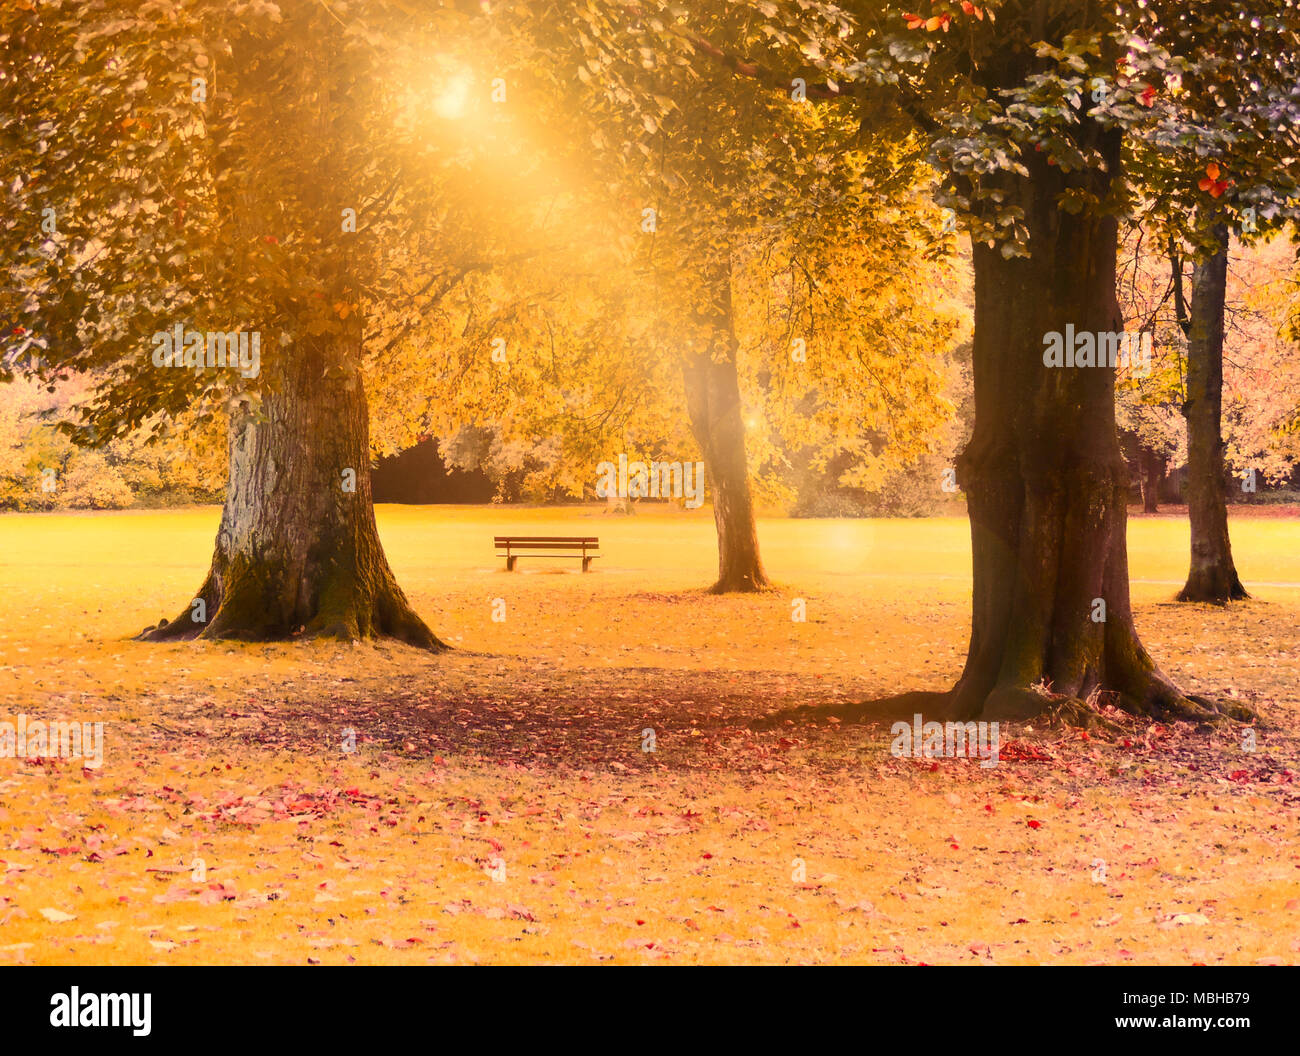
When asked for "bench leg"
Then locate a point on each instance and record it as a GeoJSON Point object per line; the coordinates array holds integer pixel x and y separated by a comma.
{"type": "Point", "coordinates": [510, 563]}
{"type": "Point", "coordinates": [586, 564]}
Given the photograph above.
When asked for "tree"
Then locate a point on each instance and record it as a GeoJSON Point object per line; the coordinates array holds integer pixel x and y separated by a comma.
{"type": "Point", "coordinates": [1048, 488]}
{"type": "Point", "coordinates": [852, 358]}
{"type": "Point", "coordinates": [1229, 100]}
{"type": "Point", "coordinates": [40, 467]}
{"type": "Point", "coordinates": [550, 361]}
{"type": "Point", "coordinates": [1032, 141]}
{"type": "Point", "coordinates": [1032, 163]}
{"type": "Point", "coordinates": [734, 178]}
{"type": "Point", "coordinates": [237, 169]}
{"type": "Point", "coordinates": [1260, 367]}
{"type": "Point", "coordinates": [839, 357]}
{"type": "Point", "coordinates": [1149, 401]}
{"type": "Point", "coordinates": [1213, 575]}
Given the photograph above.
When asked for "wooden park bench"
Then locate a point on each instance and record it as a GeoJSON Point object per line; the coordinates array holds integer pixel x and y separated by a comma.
{"type": "Point", "coordinates": [516, 546]}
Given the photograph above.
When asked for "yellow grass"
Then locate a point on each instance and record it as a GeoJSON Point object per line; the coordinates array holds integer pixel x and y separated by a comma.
{"type": "Point", "coordinates": [521, 753]}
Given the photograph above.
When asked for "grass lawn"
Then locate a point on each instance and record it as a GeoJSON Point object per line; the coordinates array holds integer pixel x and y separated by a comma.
{"type": "Point", "coordinates": [498, 806]}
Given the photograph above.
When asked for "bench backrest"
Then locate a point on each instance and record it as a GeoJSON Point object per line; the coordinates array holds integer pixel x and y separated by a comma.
{"type": "Point", "coordinates": [548, 542]}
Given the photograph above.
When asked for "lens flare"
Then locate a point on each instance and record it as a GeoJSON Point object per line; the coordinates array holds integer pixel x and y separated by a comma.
{"type": "Point", "coordinates": [453, 100]}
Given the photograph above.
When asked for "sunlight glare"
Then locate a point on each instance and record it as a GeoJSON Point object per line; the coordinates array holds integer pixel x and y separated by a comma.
{"type": "Point", "coordinates": [453, 100]}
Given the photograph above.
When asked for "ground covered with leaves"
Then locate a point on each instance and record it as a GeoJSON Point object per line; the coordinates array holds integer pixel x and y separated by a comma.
{"type": "Point", "coordinates": [320, 803]}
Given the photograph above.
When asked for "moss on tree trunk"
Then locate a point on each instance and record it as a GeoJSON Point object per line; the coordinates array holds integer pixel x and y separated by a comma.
{"type": "Point", "coordinates": [298, 553]}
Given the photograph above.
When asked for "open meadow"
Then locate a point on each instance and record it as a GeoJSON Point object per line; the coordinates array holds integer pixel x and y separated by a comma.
{"type": "Point", "coordinates": [317, 802]}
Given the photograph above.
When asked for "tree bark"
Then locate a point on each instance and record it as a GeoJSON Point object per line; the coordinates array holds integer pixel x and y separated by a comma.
{"type": "Point", "coordinates": [297, 553]}
{"type": "Point", "coordinates": [1045, 478]}
{"type": "Point", "coordinates": [714, 409]}
{"type": "Point", "coordinates": [1212, 576]}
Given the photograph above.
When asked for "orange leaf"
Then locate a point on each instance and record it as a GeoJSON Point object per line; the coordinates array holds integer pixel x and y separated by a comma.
{"type": "Point", "coordinates": [1212, 170]}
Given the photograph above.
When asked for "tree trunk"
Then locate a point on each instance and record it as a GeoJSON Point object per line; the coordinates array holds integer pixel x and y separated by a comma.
{"type": "Point", "coordinates": [1212, 576]}
{"type": "Point", "coordinates": [1045, 478]}
{"type": "Point", "coordinates": [298, 552]}
{"type": "Point", "coordinates": [714, 408]}
{"type": "Point", "coordinates": [1153, 472]}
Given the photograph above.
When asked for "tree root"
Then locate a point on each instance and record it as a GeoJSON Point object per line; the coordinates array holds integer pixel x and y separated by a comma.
{"type": "Point", "coordinates": [1024, 704]}
{"type": "Point", "coordinates": [350, 616]}
{"type": "Point", "coordinates": [747, 584]}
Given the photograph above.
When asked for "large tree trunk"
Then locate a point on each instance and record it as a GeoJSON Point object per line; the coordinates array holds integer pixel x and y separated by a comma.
{"type": "Point", "coordinates": [1212, 576]}
{"type": "Point", "coordinates": [714, 408]}
{"type": "Point", "coordinates": [1046, 482]}
{"type": "Point", "coordinates": [298, 552]}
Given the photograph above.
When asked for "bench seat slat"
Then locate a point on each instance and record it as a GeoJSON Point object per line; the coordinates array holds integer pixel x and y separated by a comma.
{"type": "Point", "coordinates": [543, 546]}
{"type": "Point", "coordinates": [589, 557]}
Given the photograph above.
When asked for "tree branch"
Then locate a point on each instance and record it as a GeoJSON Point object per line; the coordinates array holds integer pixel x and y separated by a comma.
{"type": "Point", "coordinates": [775, 80]}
